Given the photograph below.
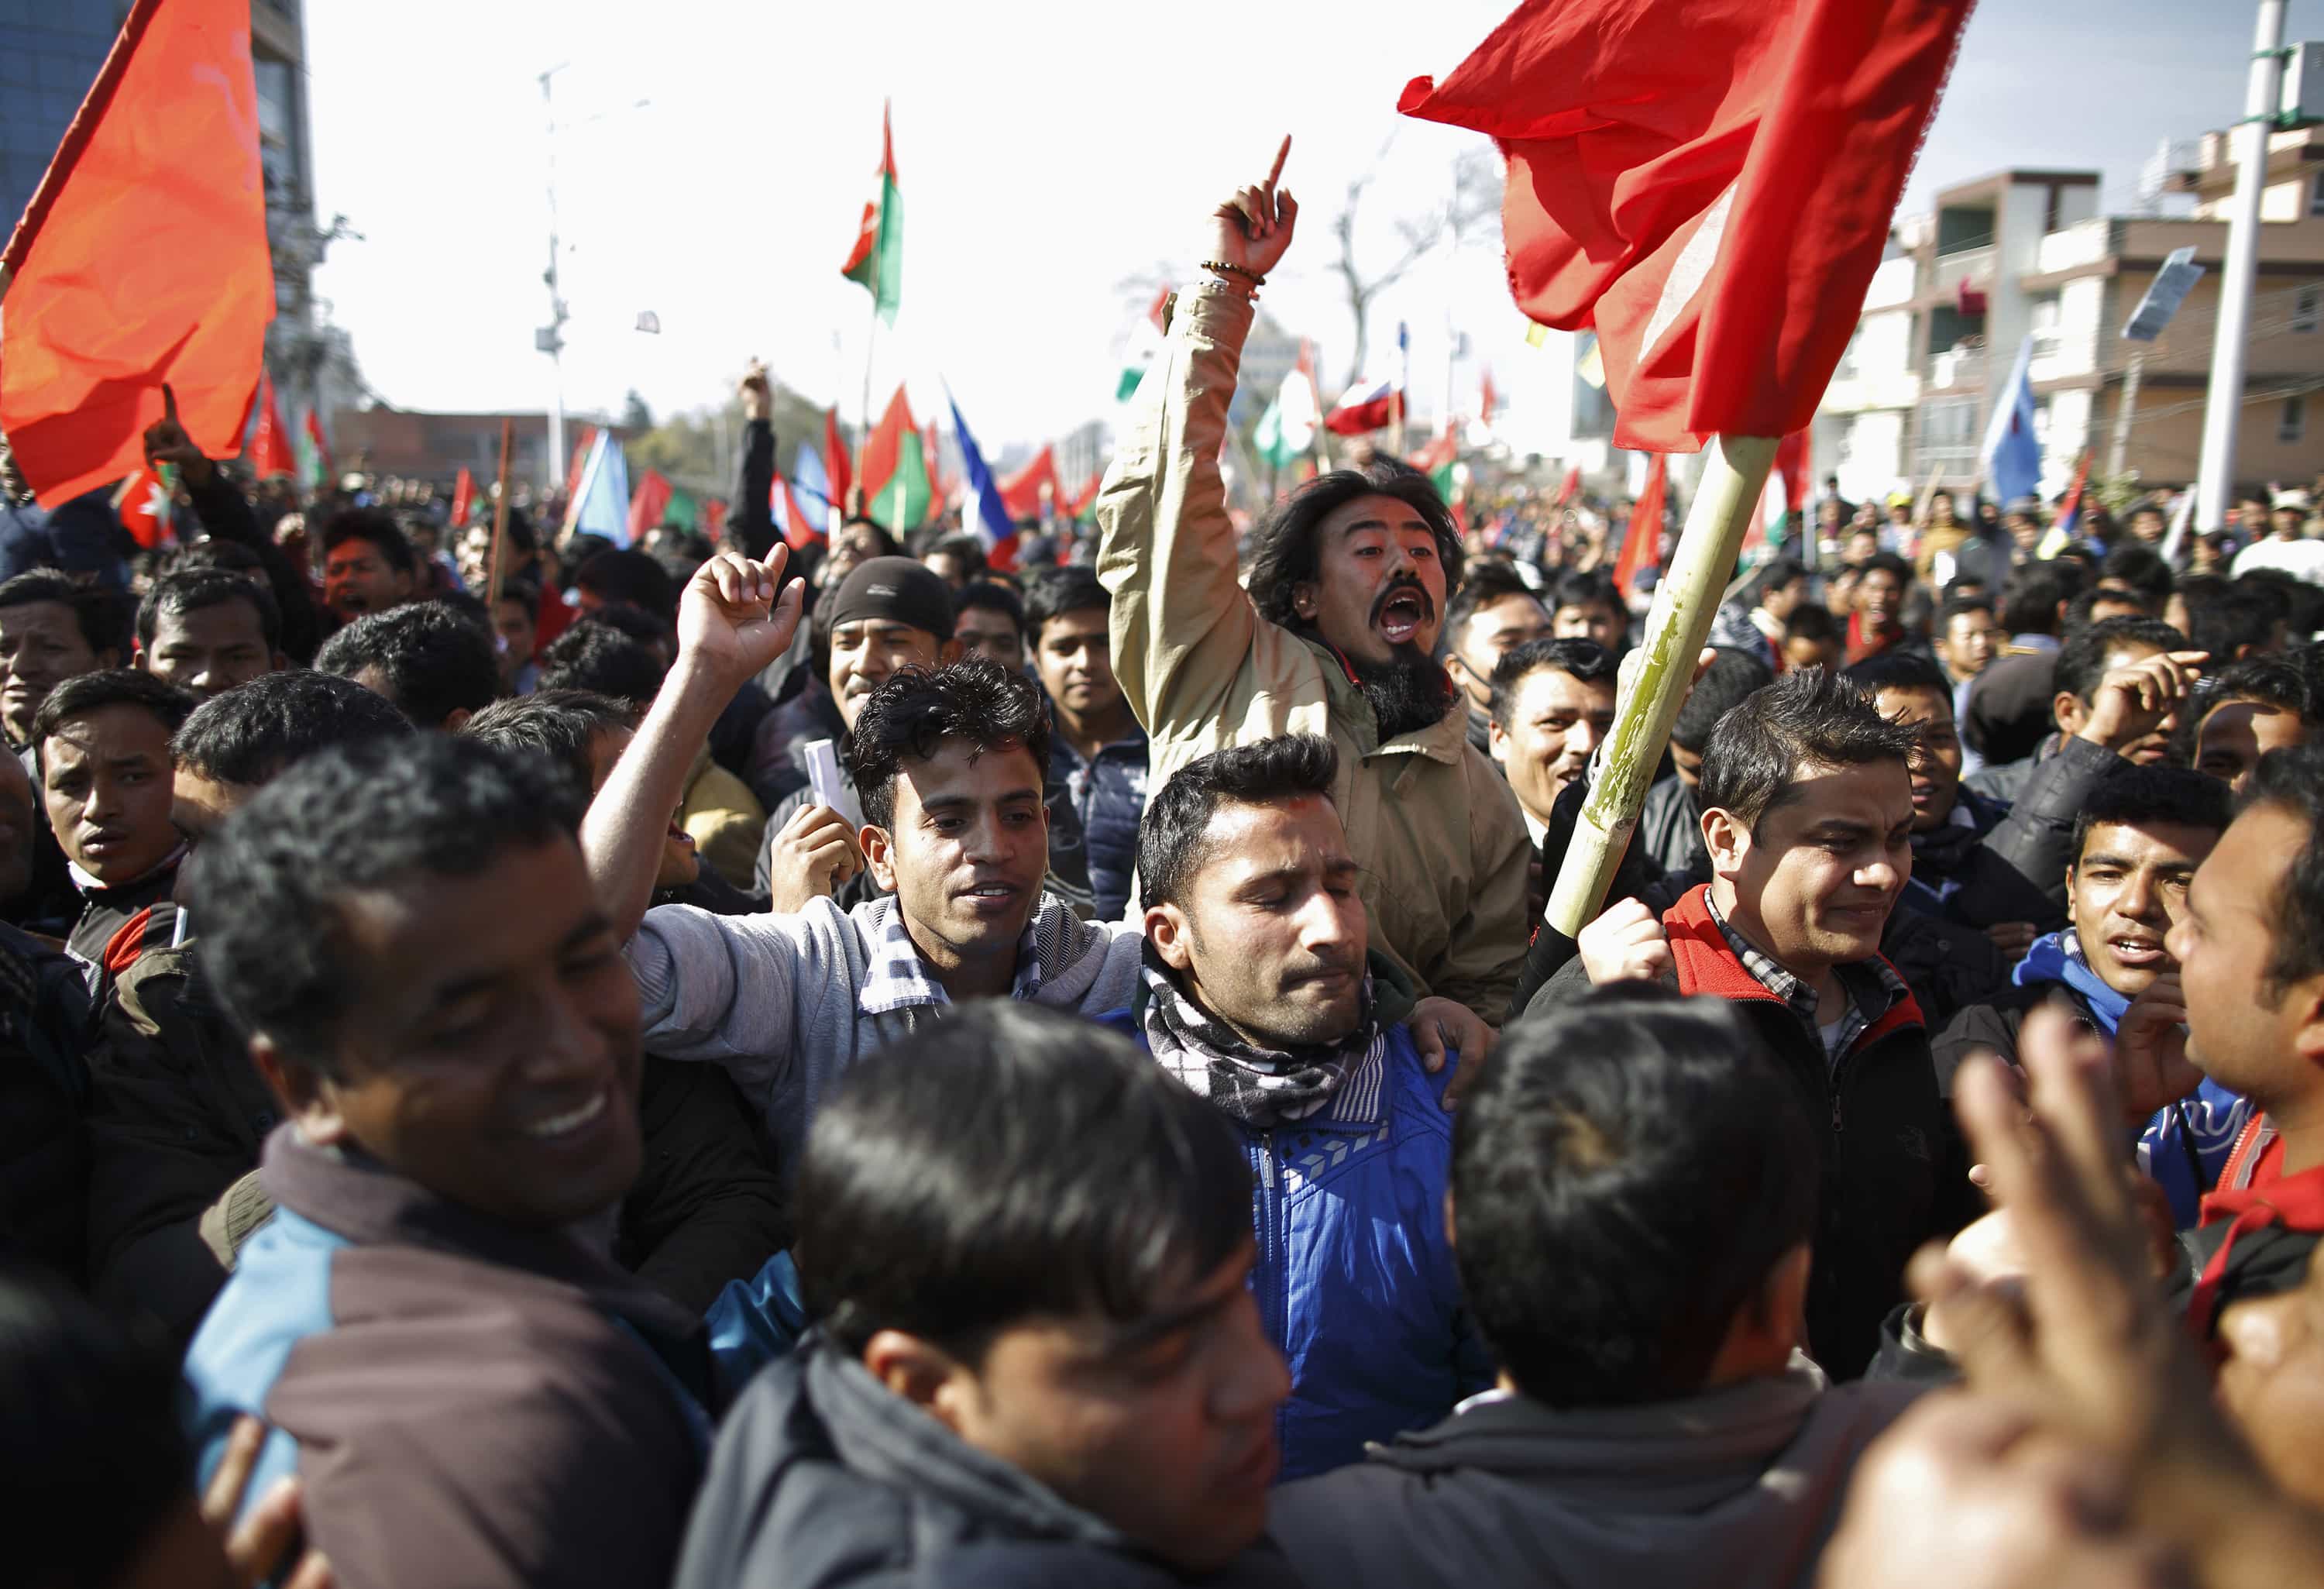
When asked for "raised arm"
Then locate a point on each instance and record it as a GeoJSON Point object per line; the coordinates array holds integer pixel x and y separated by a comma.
{"type": "Point", "coordinates": [750, 517]}
{"type": "Point", "coordinates": [1182, 627]}
{"type": "Point", "coordinates": [731, 622]}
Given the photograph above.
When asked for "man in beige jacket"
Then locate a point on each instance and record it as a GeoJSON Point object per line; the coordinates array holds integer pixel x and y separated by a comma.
{"type": "Point", "coordinates": [1336, 636]}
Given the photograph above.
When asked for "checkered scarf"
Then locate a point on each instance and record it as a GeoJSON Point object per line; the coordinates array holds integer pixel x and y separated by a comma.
{"type": "Point", "coordinates": [1258, 1086]}
{"type": "Point", "coordinates": [898, 980]}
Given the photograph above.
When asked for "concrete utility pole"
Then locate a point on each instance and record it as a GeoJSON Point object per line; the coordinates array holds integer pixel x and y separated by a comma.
{"type": "Point", "coordinates": [550, 339]}
{"type": "Point", "coordinates": [2223, 406]}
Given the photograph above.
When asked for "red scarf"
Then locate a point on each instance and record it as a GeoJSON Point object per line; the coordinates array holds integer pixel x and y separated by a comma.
{"type": "Point", "coordinates": [2254, 1194]}
{"type": "Point", "coordinates": [1862, 643]}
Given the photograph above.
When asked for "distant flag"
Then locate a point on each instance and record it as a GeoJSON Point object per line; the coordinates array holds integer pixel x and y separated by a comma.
{"type": "Point", "coordinates": [895, 471]}
{"type": "Point", "coordinates": [801, 525]}
{"type": "Point", "coordinates": [270, 443]}
{"type": "Point", "coordinates": [143, 503]}
{"type": "Point", "coordinates": [142, 257]}
{"type": "Point", "coordinates": [1486, 398]}
{"type": "Point", "coordinates": [2180, 517]}
{"type": "Point", "coordinates": [1786, 489]}
{"type": "Point", "coordinates": [314, 454]}
{"type": "Point", "coordinates": [1642, 542]}
{"type": "Point", "coordinates": [993, 521]}
{"type": "Point", "coordinates": [583, 445]}
{"type": "Point", "coordinates": [2012, 452]}
{"type": "Point", "coordinates": [1436, 460]}
{"type": "Point", "coordinates": [1020, 493]}
{"type": "Point", "coordinates": [682, 512]}
{"type": "Point", "coordinates": [877, 262]}
{"type": "Point", "coordinates": [2061, 533]}
{"type": "Point", "coordinates": [463, 492]}
{"type": "Point", "coordinates": [1145, 343]}
{"type": "Point", "coordinates": [837, 469]}
{"type": "Point", "coordinates": [1570, 488]}
{"type": "Point", "coordinates": [714, 518]}
{"type": "Point", "coordinates": [810, 481]}
{"type": "Point", "coordinates": [1287, 429]}
{"type": "Point", "coordinates": [938, 490]}
{"type": "Point", "coordinates": [648, 503]}
{"type": "Point", "coordinates": [601, 501]}
{"type": "Point", "coordinates": [1371, 406]}
{"type": "Point", "coordinates": [1084, 499]}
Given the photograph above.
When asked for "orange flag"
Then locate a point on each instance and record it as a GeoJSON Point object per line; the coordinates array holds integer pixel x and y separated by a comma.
{"type": "Point", "coordinates": [464, 495]}
{"type": "Point", "coordinates": [269, 444]}
{"type": "Point", "coordinates": [142, 258]}
{"type": "Point", "coordinates": [1642, 544]}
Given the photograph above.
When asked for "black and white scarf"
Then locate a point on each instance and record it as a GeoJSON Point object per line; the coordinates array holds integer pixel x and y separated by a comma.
{"type": "Point", "coordinates": [1261, 1087]}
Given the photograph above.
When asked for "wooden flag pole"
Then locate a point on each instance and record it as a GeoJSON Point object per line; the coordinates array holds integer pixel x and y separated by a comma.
{"type": "Point", "coordinates": [1734, 472]}
{"type": "Point", "coordinates": [500, 521]}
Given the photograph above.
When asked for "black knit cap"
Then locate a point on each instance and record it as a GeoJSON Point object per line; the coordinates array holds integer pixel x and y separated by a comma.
{"type": "Point", "coordinates": [896, 590]}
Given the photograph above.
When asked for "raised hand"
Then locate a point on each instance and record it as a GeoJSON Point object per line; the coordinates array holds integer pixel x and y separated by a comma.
{"type": "Point", "coordinates": [2131, 702]}
{"type": "Point", "coordinates": [1253, 228]}
{"type": "Point", "coordinates": [757, 396]}
{"type": "Point", "coordinates": [813, 854]}
{"type": "Point", "coordinates": [737, 614]}
{"type": "Point", "coordinates": [166, 442]}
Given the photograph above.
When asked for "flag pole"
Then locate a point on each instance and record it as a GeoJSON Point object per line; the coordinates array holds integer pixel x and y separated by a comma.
{"type": "Point", "coordinates": [870, 340]}
{"type": "Point", "coordinates": [500, 521]}
{"type": "Point", "coordinates": [1735, 471]}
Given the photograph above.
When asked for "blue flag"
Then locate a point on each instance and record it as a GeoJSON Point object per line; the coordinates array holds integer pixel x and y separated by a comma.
{"type": "Point", "coordinates": [2013, 453]}
{"type": "Point", "coordinates": [808, 479]}
{"type": "Point", "coordinates": [604, 498]}
{"type": "Point", "coordinates": [993, 523]}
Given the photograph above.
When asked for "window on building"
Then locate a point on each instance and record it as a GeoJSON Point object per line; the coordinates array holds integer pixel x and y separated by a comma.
{"type": "Point", "coordinates": [2292, 424]}
{"type": "Point", "coordinates": [2307, 307]}
{"type": "Point", "coordinates": [2315, 195]}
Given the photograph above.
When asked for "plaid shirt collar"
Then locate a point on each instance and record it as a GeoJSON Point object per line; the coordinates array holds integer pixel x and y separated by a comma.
{"type": "Point", "coordinates": [899, 979]}
{"type": "Point", "coordinates": [1872, 985]}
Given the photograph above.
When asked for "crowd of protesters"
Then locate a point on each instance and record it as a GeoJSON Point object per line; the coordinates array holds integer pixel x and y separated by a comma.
{"type": "Point", "coordinates": [848, 1065]}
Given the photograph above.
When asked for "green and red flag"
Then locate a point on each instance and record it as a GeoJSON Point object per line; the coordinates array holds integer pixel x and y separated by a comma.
{"type": "Point", "coordinates": [838, 468]}
{"type": "Point", "coordinates": [896, 493]}
{"type": "Point", "coordinates": [270, 443]}
{"type": "Point", "coordinates": [877, 264]}
{"type": "Point", "coordinates": [1020, 493]}
{"type": "Point", "coordinates": [1436, 460]}
{"type": "Point", "coordinates": [314, 454]}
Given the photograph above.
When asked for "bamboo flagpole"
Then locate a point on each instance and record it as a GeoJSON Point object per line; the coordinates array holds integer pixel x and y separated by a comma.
{"type": "Point", "coordinates": [500, 521]}
{"type": "Point", "coordinates": [1734, 472]}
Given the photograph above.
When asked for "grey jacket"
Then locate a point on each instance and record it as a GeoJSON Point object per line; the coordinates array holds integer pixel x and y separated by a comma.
{"type": "Point", "coordinates": [779, 999]}
{"type": "Point", "coordinates": [1739, 1489]}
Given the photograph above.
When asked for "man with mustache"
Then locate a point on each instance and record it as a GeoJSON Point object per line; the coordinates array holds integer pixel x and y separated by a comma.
{"type": "Point", "coordinates": [1337, 635]}
{"type": "Point", "coordinates": [1256, 991]}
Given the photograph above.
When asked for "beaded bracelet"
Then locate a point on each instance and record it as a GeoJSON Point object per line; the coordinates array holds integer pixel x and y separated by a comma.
{"type": "Point", "coordinates": [1223, 268]}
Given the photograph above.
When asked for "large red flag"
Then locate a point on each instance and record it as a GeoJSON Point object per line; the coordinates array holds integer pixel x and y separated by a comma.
{"type": "Point", "coordinates": [142, 258]}
{"type": "Point", "coordinates": [1642, 544]}
{"type": "Point", "coordinates": [269, 444]}
{"type": "Point", "coordinates": [1707, 183]}
{"type": "Point", "coordinates": [1020, 493]}
{"type": "Point", "coordinates": [837, 468]}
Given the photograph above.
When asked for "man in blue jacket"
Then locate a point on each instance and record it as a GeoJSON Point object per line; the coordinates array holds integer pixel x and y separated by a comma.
{"type": "Point", "coordinates": [1257, 994]}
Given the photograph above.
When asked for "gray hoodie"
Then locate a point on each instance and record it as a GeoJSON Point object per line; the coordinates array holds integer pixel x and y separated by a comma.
{"type": "Point", "coordinates": [779, 999]}
{"type": "Point", "coordinates": [1737, 1489]}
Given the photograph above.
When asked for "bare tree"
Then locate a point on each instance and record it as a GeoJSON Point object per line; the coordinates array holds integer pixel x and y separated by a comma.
{"type": "Point", "coordinates": [1473, 199]}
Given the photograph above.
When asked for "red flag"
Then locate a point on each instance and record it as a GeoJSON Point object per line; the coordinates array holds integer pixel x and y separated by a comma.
{"type": "Point", "coordinates": [1020, 493]}
{"type": "Point", "coordinates": [1569, 488]}
{"type": "Point", "coordinates": [714, 518]}
{"type": "Point", "coordinates": [1485, 398]}
{"type": "Point", "coordinates": [322, 449]}
{"type": "Point", "coordinates": [1084, 497]}
{"type": "Point", "coordinates": [143, 504]}
{"type": "Point", "coordinates": [1364, 409]}
{"type": "Point", "coordinates": [1707, 183]}
{"type": "Point", "coordinates": [269, 444]}
{"type": "Point", "coordinates": [648, 503]}
{"type": "Point", "coordinates": [142, 257]}
{"type": "Point", "coordinates": [800, 527]}
{"type": "Point", "coordinates": [886, 446]}
{"type": "Point", "coordinates": [1642, 544]}
{"type": "Point", "coordinates": [588, 438]}
{"type": "Point", "coordinates": [463, 492]}
{"type": "Point", "coordinates": [837, 468]}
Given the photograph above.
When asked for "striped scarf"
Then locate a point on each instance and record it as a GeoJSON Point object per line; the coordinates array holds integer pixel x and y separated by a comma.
{"type": "Point", "coordinates": [1261, 1087]}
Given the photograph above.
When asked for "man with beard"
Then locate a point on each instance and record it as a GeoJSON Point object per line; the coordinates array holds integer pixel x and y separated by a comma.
{"type": "Point", "coordinates": [1336, 636]}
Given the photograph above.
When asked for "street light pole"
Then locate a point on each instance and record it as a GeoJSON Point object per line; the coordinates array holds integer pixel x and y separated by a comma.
{"type": "Point", "coordinates": [2223, 405]}
{"type": "Point", "coordinates": [550, 339]}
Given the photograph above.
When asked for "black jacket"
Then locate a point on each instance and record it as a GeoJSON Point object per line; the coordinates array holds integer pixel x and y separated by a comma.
{"type": "Point", "coordinates": [226, 514]}
{"type": "Point", "coordinates": [751, 516]}
{"type": "Point", "coordinates": [823, 1479]}
{"type": "Point", "coordinates": [1896, 1169]}
{"type": "Point", "coordinates": [104, 912]}
{"type": "Point", "coordinates": [43, 1162]}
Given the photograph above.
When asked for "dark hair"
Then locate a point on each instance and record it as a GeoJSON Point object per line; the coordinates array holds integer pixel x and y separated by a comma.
{"type": "Point", "coordinates": [1626, 1176]}
{"type": "Point", "coordinates": [1773, 574]}
{"type": "Point", "coordinates": [2294, 780]}
{"type": "Point", "coordinates": [104, 615]}
{"type": "Point", "coordinates": [2142, 569]}
{"type": "Point", "coordinates": [624, 575]}
{"type": "Point", "coordinates": [644, 627]}
{"type": "Point", "coordinates": [2031, 594]}
{"type": "Point", "coordinates": [2274, 680]}
{"type": "Point", "coordinates": [1489, 581]}
{"type": "Point", "coordinates": [90, 1407]}
{"type": "Point", "coordinates": [2132, 795]}
{"type": "Point", "coordinates": [967, 551]}
{"type": "Point", "coordinates": [376, 525]}
{"type": "Point", "coordinates": [2225, 620]}
{"type": "Point", "coordinates": [268, 886]}
{"type": "Point", "coordinates": [1955, 605]}
{"type": "Point", "coordinates": [192, 590]}
{"type": "Point", "coordinates": [524, 589]}
{"type": "Point", "coordinates": [556, 724]}
{"type": "Point", "coordinates": [1732, 679]}
{"type": "Point", "coordinates": [433, 660]}
{"type": "Point", "coordinates": [1586, 660]}
{"type": "Point", "coordinates": [1283, 548]}
{"type": "Point", "coordinates": [599, 658]}
{"type": "Point", "coordinates": [471, 607]}
{"type": "Point", "coordinates": [1887, 562]}
{"type": "Point", "coordinates": [251, 732]}
{"type": "Point", "coordinates": [1054, 592]}
{"type": "Point", "coordinates": [1171, 838]}
{"type": "Point", "coordinates": [2082, 660]}
{"type": "Point", "coordinates": [1900, 670]}
{"type": "Point", "coordinates": [87, 693]}
{"type": "Point", "coordinates": [1813, 622]}
{"type": "Point", "coordinates": [1011, 1164]}
{"type": "Point", "coordinates": [1589, 588]}
{"type": "Point", "coordinates": [992, 598]}
{"type": "Point", "coordinates": [912, 712]}
{"type": "Point", "coordinates": [1809, 719]}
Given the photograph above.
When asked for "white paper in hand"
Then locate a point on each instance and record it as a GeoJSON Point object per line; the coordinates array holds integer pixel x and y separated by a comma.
{"type": "Point", "coordinates": [830, 789]}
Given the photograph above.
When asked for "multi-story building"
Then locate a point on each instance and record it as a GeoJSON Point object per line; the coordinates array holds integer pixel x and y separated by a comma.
{"type": "Point", "coordinates": [2028, 254]}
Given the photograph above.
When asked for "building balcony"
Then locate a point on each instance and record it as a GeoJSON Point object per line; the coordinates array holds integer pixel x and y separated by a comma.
{"type": "Point", "coordinates": [1972, 265]}
{"type": "Point", "coordinates": [1957, 369]}
{"type": "Point", "coordinates": [1857, 389]}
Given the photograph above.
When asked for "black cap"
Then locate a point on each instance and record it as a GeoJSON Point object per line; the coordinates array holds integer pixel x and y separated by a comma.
{"type": "Point", "coordinates": [897, 590]}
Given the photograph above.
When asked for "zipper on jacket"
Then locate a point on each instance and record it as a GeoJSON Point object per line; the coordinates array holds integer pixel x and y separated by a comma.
{"type": "Point", "coordinates": [1274, 1281]}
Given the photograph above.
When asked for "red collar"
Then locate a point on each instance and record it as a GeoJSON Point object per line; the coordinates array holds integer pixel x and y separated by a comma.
{"type": "Point", "coordinates": [2296, 1202]}
{"type": "Point", "coordinates": [1705, 965]}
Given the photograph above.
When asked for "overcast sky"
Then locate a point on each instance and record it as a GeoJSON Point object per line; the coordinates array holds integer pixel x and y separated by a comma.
{"type": "Point", "coordinates": [1049, 150]}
